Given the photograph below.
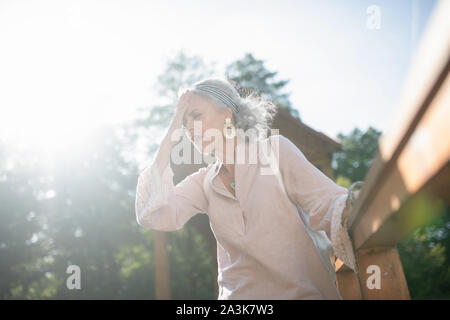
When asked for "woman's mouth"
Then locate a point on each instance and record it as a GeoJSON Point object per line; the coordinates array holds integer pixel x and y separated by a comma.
{"type": "Point", "coordinates": [195, 137]}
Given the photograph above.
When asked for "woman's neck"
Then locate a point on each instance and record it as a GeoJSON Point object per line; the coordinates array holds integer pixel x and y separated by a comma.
{"type": "Point", "coordinates": [235, 151]}
{"type": "Point", "coordinates": [228, 156]}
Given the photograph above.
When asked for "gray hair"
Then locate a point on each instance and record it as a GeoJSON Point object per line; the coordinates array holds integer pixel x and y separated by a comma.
{"type": "Point", "coordinates": [254, 113]}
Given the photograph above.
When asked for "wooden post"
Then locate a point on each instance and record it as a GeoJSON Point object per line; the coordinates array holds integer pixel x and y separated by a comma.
{"type": "Point", "coordinates": [213, 245]}
{"type": "Point", "coordinates": [380, 264]}
{"type": "Point", "coordinates": [162, 275]}
{"type": "Point", "coordinates": [384, 263]}
{"type": "Point", "coordinates": [347, 283]}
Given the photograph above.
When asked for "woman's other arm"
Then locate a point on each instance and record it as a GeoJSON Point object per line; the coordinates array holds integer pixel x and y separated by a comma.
{"type": "Point", "coordinates": [325, 202]}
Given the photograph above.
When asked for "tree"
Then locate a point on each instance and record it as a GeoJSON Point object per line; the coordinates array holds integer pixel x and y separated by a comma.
{"type": "Point", "coordinates": [252, 74]}
{"type": "Point", "coordinates": [425, 256]}
{"type": "Point", "coordinates": [19, 223]}
{"type": "Point", "coordinates": [358, 152]}
{"type": "Point", "coordinates": [191, 265]}
{"type": "Point", "coordinates": [78, 212]}
{"type": "Point", "coordinates": [180, 71]}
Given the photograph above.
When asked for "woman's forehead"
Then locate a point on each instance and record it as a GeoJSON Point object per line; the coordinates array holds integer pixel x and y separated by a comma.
{"type": "Point", "coordinates": [198, 102]}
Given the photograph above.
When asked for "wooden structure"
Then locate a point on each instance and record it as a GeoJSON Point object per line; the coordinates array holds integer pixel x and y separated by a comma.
{"type": "Point", "coordinates": [407, 185]}
{"type": "Point", "coordinates": [409, 181]}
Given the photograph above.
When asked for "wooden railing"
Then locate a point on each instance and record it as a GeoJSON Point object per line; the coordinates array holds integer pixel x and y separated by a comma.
{"type": "Point", "coordinates": [409, 181]}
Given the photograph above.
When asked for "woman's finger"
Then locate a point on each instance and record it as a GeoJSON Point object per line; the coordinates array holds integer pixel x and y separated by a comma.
{"type": "Point", "coordinates": [184, 101]}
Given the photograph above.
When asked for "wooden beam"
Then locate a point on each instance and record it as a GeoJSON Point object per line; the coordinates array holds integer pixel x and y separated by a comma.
{"type": "Point", "coordinates": [348, 285]}
{"type": "Point", "coordinates": [413, 152]}
{"type": "Point", "coordinates": [415, 212]}
{"type": "Point", "coordinates": [419, 164]}
{"type": "Point", "coordinates": [284, 118]}
{"type": "Point", "coordinates": [162, 275]}
{"type": "Point", "coordinates": [382, 263]}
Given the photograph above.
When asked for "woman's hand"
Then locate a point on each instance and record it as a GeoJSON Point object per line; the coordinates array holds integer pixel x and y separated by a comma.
{"type": "Point", "coordinates": [348, 208]}
{"type": "Point", "coordinates": [174, 133]}
{"type": "Point", "coordinates": [176, 123]}
{"type": "Point", "coordinates": [346, 213]}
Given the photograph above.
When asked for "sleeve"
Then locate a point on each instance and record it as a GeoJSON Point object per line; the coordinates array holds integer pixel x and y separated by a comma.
{"type": "Point", "coordinates": [321, 198]}
{"type": "Point", "coordinates": [162, 206]}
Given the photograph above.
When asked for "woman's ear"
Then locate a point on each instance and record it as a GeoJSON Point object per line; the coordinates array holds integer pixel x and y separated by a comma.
{"type": "Point", "coordinates": [229, 113]}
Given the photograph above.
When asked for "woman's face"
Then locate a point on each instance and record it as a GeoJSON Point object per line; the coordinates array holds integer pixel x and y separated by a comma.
{"type": "Point", "coordinates": [203, 120]}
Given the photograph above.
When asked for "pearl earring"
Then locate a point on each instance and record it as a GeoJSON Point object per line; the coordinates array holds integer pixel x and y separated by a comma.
{"type": "Point", "coordinates": [227, 128]}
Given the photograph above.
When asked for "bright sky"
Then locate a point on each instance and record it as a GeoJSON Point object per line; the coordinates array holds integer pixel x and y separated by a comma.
{"type": "Point", "coordinates": [67, 66]}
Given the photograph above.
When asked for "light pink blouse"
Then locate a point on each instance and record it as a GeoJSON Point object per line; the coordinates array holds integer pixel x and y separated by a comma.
{"type": "Point", "coordinates": [264, 249]}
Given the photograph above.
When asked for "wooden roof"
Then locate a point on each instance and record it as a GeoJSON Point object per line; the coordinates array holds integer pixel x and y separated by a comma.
{"type": "Point", "coordinates": [330, 144]}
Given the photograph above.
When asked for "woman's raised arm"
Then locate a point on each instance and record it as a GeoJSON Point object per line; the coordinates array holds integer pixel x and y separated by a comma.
{"type": "Point", "coordinates": [159, 204]}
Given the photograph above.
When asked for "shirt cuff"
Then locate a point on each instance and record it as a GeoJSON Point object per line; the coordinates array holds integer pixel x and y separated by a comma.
{"type": "Point", "coordinates": [340, 240]}
{"type": "Point", "coordinates": [153, 189]}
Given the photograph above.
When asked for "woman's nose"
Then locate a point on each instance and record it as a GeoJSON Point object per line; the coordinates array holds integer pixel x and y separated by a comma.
{"type": "Point", "coordinates": [187, 124]}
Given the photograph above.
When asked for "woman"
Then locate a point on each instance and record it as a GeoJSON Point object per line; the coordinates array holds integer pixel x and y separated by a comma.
{"type": "Point", "coordinates": [266, 224]}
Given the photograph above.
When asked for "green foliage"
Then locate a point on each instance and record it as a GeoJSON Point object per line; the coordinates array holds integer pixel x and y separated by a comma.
{"type": "Point", "coordinates": [252, 74]}
{"type": "Point", "coordinates": [358, 152]}
{"type": "Point", "coordinates": [425, 256]}
{"type": "Point", "coordinates": [78, 213]}
{"type": "Point", "coordinates": [191, 261]}
{"type": "Point", "coordinates": [343, 181]}
{"type": "Point", "coordinates": [180, 71]}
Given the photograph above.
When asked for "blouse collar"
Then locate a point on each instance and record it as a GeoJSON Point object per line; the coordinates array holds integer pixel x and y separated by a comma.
{"type": "Point", "coordinates": [217, 165]}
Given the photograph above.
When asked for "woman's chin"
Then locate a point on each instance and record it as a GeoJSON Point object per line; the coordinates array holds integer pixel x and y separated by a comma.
{"type": "Point", "coordinates": [198, 147]}
{"type": "Point", "coordinates": [203, 147]}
